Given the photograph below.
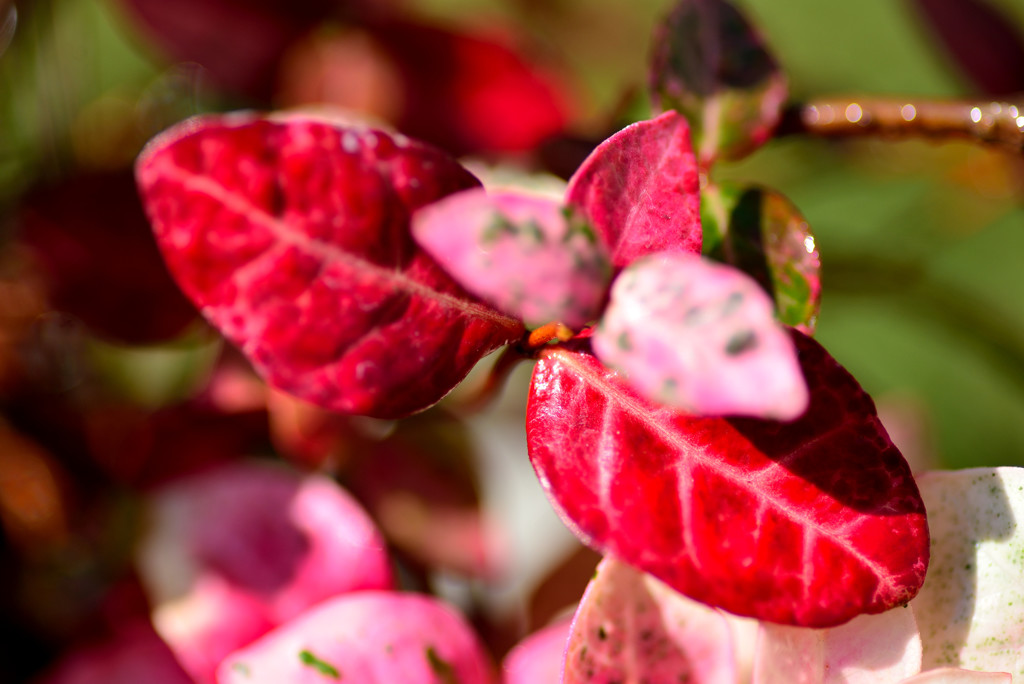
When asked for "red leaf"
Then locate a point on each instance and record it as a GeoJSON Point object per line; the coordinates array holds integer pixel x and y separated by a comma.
{"type": "Point", "coordinates": [90, 236]}
{"type": "Point", "coordinates": [244, 58]}
{"type": "Point", "coordinates": [807, 523]}
{"type": "Point", "coordinates": [469, 92]}
{"type": "Point", "coordinates": [639, 189]}
{"type": "Point", "coordinates": [293, 238]}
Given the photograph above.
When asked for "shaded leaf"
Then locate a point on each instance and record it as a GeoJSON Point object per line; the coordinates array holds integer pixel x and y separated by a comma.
{"type": "Point", "coordinates": [237, 551]}
{"type": "Point", "coordinates": [135, 654]}
{"type": "Point", "coordinates": [293, 238]}
{"type": "Point", "coordinates": [639, 190]}
{"type": "Point", "coordinates": [763, 234]}
{"type": "Point", "coordinates": [700, 336]}
{"type": "Point", "coordinates": [867, 650]}
{"type": "Point", "coordinates": [808, 523]}
{"type": "Point", "coordinates": [371, 637]}
{"type": "Point", "coordinates": [970, 606]}
{"type": "Point", "coordinates": [982, 41]}
{"type": "Point", "coordinates": [709, 64]}
{"type": "Point", "coordinates": [91, 239]}
{"type": "Point", "coordinates": [243, 59]}
{"type": "Point", "coordinates": [526, 254]}
{"type": "Point", "coordinates": [632, 628]}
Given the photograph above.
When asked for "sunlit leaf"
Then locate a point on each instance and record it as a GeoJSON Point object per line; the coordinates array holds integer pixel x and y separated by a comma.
{"type": "Point", "coordinates": [373, 637]}
{"type": "Point", "coordinates": [700, 336]}
{"type": "Point", "coordinates": [293, 238]}
{"type": "Point", "coordinates": [869, 649]}
{"type": "Point", "coordinates": [710, 65]}
{"type": "Point", "coordinates": [810, 523]}
{"type": "Point", "coordinates": [760, 232]}
{"type": "Point", "coordinates": [526, 254]}
{"type": "Point", "coordinates": [971, 604]}
{"type": "Point", "coordinates": [639, 190]}
{"type": "Point", "coordinates": [632, 628]}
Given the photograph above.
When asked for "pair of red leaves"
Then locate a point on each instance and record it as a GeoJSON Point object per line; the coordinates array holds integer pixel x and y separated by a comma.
{"type": "Point", "coordinates": [293, 238]}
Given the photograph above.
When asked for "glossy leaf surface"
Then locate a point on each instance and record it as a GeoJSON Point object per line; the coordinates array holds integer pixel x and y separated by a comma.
{"type": "Point", "coordinates": [525, 254]}
{"type": "Point", "coordinates": [870, 649]}
{"type": "Point", "coordinates": [293, 238]}
{"type": "Point", "coordinates": [809, 523]}
{"type": "Point", "coordinates": [639, 190]}
{"type": "Point", "coordinates": [700, 336]}
{"type": "Point", "coordinates": [237, 551]}
{"type": "Point", "coordinates": [369, 637]}
{"type": "Point", "coordinates": [710, 65]}
{"type": "Point", "coordinates": [970, 608]}
{"type": "Point", "coordinates": [760, 232]}
{"type": "Point", "coordinates": [632, 628]}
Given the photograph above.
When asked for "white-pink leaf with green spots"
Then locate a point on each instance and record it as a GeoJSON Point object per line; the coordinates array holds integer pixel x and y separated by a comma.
{"type": "Point", "coordinates": [870, 649]}
{"type": "Point", "coordinates": [632, 628]}
{"type": "Point", "coordinates": [525, 254]}
{"type": "Point", "coordinates": [701, 336]}
{"type": "Point", "coordinates": [950, 675]}
{"type": "Point", "coordinates": [370, 637]}
{"type": "Point", "coordinates": [971, 607]}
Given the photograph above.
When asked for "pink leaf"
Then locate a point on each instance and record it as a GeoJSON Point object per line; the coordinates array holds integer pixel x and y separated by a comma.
{"type": "Point", "coordinates": [525, 254]}
{"type": "Point", "coordinates": [702, 337]}
{"type": "Point", "coordinates": [807, 523]}
{"type": "Point", "coordinates": [237, 551]}
{"type": "Point", "coordinates": [538, 658]}
{"type": "Point", "coordinates": [293, 238]}
{"type": "Point", "coordinates": [639, 190]}
{"type": "Point", "coordinates": [632, 628]}
{"type": "Point", "coordinates": [870, 649]}
{"type": "Point", "coordinates": [372, 638]}
{"type": "Point", "coordinates": [970, 606]}
{"type": "Point", "coordinates": [950, 675]}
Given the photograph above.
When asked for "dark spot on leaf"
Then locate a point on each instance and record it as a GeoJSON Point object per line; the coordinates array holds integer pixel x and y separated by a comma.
{"type": "Point", "coordinates": [500, 226]}
{"type": "Point", "coordinates": [242, 669]}
{"type": "Point", "coordinates": [732, 303]}
{"type": "Point", "coordinates": [441, 667]}
{"type": "Point", "coordinates": [601, 633]}
{"type": "Point", "coordinates": [324, 668]}
{"type": "Point", "coordinates": [623, 342]}
{"type": "Point", "coordinates": [741, 342]}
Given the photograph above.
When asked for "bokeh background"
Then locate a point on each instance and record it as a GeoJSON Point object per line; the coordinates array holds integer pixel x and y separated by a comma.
{"type": "Point", "coordinates": [111, 385]}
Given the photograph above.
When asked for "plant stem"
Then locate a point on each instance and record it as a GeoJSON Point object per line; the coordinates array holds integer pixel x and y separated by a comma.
{"type": "Point", "coordinates": [993, 123]}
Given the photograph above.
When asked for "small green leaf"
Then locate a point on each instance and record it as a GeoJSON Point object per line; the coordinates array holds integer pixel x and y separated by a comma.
{"type": "Point", "coordinates": [763, 234]}
{"type": "Point", "coordinates": [711, 66]}
{"type": "Point", "coordinates": [320, 666]}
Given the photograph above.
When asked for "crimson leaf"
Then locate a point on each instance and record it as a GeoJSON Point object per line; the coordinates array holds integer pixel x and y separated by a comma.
{"type": "Point", "coordinates": [807, 523]}
{"type": "Point", "coordinates": [292, 237]}
{"type": "Point", "coordinates": [639, 189]}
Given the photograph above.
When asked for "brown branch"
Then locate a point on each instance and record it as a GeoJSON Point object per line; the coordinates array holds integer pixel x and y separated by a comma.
{"type": "Point", "coordinates": [993, 123]}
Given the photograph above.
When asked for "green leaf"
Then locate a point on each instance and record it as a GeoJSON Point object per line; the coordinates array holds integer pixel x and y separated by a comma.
{"type": "Point", "coordinates": [762, 233]}
{"type": "Point", "coordinates": [710, 65]}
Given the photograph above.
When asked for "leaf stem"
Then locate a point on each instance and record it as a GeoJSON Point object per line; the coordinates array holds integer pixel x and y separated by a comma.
{"type": "Point", "coordinates": [993, 123]}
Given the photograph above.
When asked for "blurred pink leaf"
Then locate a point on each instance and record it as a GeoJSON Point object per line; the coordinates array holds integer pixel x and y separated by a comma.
{"type": "Point", "coordinates": [632, 628]}
{"type": "Point", "coordinates": [970, 606]}
{"type": "Point", "coordinates": [710, 65]}
{"type": "Point", "coordinates": [639, 190]}
{"type": "Point", "coordinates": [699, 336]}
{"type": "Point", "coordinates": [237, 551]}
{"type": "Point", "coordinates": [810, 523]}
{"type": "Point", "coordinates": [538, 658]}
{"type": "Point", "coordinates": [527, 255]}
{"type": "Point", "coordinates": [293, 238]}
{"type": "Point", "coordinates": [370, 637]}
{"type": "Point", "coordinates": [132, 656]}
